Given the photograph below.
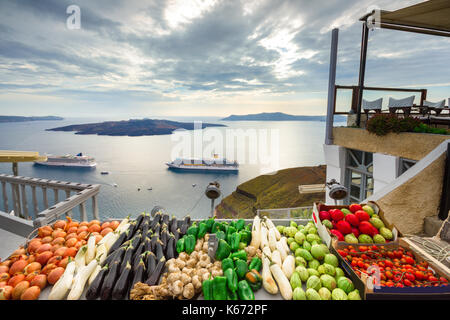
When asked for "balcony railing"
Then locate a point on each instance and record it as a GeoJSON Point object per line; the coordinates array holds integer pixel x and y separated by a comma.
{"type": "Point", "coordinates": [17, 191]}
{"type": "Point", "coordinates": [302, 213]}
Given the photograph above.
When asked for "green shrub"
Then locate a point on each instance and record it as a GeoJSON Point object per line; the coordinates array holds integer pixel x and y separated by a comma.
{"type": "Point", "coordinates": [382, 124]}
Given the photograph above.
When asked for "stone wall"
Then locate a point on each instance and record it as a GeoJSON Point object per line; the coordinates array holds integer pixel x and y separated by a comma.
{"type": "Point", "coordinates": [408, 145]}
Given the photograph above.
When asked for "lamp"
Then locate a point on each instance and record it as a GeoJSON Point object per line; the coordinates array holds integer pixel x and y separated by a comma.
{"type": "Point", "coordinates": [213, 192]}
{"type": "Point", "coordinates": [337, 191]}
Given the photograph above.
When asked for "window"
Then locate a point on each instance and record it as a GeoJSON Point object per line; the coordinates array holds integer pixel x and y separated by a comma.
{"type": "Point", "coordinates": [404, 165]}
{"type": "Point", "coordinates": [359, 175]}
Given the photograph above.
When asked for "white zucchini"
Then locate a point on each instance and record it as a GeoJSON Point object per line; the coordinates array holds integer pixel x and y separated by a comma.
{"type": "Point", "coordinates": [268, 283]}
{"type": "Point", "coordinates": [276, 258]}
{"type": "Point", "coordinates": [264, 241]}
{"type": "Point", "coordinates": [63, 285]}
{"type": "Point", "coordinates": [256, 232]}
{"type": "Point", "coordinates": [288, 266]}
{"type": "Point", "coordinates": [90, 253]}
{"type": "Point", "coordinates": [272, 240]}
{"type": "Point", "coordinates": [101, 253]}
{"type": "Point", "coordinates": [281, 249]}
{"type": "Point", "coordinates": [80, 280]}
{"type": "Point", "coordinates": [94, 274]}
{"type": "Point", "coordinates": [272, 226]}
{"type": "Point", "coordinates": [266, 250]}
{"type": "Point", "coordinates": [80, 258]}
{"type": "Point", "coordinates": [282, 281]}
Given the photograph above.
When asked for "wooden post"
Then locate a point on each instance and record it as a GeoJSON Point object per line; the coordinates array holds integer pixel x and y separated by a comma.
{"type": "Point", "coordinates": [5, 196]}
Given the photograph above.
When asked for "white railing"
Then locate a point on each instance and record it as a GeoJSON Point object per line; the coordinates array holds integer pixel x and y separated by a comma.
{"type": "Point", "coordinates": [15, 197]}
{"type": "Point", "coordinates": [287, 213]}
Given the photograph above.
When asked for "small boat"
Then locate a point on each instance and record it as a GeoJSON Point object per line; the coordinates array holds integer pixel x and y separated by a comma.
{"type": "Point", "coordinates": [150, 189]}
{"type": "Point", "coordinates": [115, 185]}
{"type": "Point", "coordinates": [193, 185]}
{"type": "Point", "coordinates": [139, 189]}
{"type": "Point", "coordinates": [104, 172]}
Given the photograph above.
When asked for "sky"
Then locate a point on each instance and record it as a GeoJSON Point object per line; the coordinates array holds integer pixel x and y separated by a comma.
{"type": "Point", "coordinates": [136, 58]}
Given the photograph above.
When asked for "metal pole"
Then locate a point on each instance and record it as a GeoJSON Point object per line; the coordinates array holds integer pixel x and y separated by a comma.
{"type": "Point", "coordinates": [15, 169]}
{"type": "Point", "coordinates": [212, 208]}
{"type": "Point", "coordinates": [331, 87]}
{"type": "Point", "coordinates": [362, 70]}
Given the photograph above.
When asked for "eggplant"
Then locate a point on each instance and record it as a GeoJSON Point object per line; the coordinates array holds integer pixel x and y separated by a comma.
{"type": "Point", "coordinates": [132, 230]}
{"type": "Point", "coordinates": [156, 274]}
{"type": "Point", "coordinates": [155, 220]}
{"type": "Point", "coordinates": [139, 273]}
{"type": "Point", "coordinates": [126, 258]}
{"type": "Point", "coordinates": [157, 229]}
{"type": "Point", "coordinates": [148, 244]}
{"type": "Point", "coordinates": [137, 254]}
{"type": "Point", "coordinates": [139, 220]}
{"type": "Point", "coordinates": [136, 240]}
{"type": "Point", "coordinates": [184, 228]}
{"type": "Point", "coordinates": [118, 256]}
{"type": "Point", "coordinates": [122, 237]}
{"type": "Point", "coordinates": [145, 227]}
{"type": "Point", "coordinates": [159, 250]}
{"type": "Point", "coordinates": [176, 234]}
{"type": "Point", "coordinates": [109, 281]}
{"type": "Point", "coordinates": [121, 287]}
{"type": "Point", "coordinates": [164, 238]}
{"type": "Point", "coordinates": [170, 248]}
{"type": "Point", "coordinates": [187, 220]}
{"type": "Point", "coordinates": [147, 218]}
{"type": "Point", "coordinates": [154, 239]}
{"type": "Point", "coordinates": [94, 289]}
{"type": "Point", "coordinates": [165, 218]}
{"type": "Point", "coordinates": [173, 224]}
{"type": "Point", "coordinates": [150, 263]}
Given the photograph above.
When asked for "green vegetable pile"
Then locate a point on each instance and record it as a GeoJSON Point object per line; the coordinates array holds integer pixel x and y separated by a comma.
{"type": "Point", "coordinates": [316, 267]}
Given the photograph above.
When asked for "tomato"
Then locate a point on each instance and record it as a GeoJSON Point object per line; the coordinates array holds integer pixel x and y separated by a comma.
{"type": "Point", "coordinates": [398, 254]}
{"type": "Point", "coordinates": [407, 283]}
{"type": "Point", "coordinates": [389, 274]}
{"type": "Point", "coordinates": [432, 279]}
{"type": "Point", "coordinates": [442, 279]}
{"type": "Point", "coordinates": [362, 248]}
{"type": "Point", "coordinates": [409, 260]}
{"type": "Point", "coordinates": [410, 276]}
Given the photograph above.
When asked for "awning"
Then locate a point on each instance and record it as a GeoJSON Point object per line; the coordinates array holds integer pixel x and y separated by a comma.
{"type": "Point", "coordinates": [20, 156]}
{"type": "Point", "coordinates": [429, 17]}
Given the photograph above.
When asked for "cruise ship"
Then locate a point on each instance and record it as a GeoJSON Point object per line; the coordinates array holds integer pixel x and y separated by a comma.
{"type": "Point", "coordinates": [77, 161]}
{"type": "Point", "coordinates": [216, 164]}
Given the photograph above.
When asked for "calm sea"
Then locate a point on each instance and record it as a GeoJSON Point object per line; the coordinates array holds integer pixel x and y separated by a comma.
{"type": "Point", "coordinates": [139, 162]}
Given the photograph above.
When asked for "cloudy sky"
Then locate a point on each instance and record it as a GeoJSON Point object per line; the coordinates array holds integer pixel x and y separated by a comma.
{"type": "Point", "coordinates": [135, 58]}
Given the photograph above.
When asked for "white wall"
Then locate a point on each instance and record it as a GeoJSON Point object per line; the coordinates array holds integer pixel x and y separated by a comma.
{"type": "Point", "coordinates": [385, 170]}
{"type": "Point", "coordinates": [335, 161]}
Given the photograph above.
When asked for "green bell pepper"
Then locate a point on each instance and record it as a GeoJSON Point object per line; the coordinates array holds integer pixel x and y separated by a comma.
{"type": "Point", "coordinates": [223, 250]}
{"type": "Point", "coordinates": [227, 263]}
{"type": "Point", "coordinates": [207, 289]}
{"type": "Point", "coordinates": [193, 230]}
{"type": "Point", "coordinates": [189, 243]}
{"type": "Point", "coordinates": [231, 230]}
{"type": "Point", "coordinates": [246, 236]}
{"type": "Point", "coordinates": [244, 291]}
{"type": "Point", "coordinates": [180, 245]}
{"type": "Point", "coordinates": [219, 288]}
{"type": "Point", "coordinates": [240, 224]}
{"type": "Point", "coordinates": [233, 224]}
{"type": "Point", "coordinates": [202, 229]}
{"type": "Point", "coordinates": [223, 226]}
{"type": "Point", "coordinates": [242, 245]}
{"type": "Point", "coordinates": [241, 254]}
{"type": "Point", "coordinates": [232, 295]}
{"type": "Point", "coordinates": [215, 227]}
{"type": "Point", "coordinates": [241, 268]}
{"type": "Point", "coordinates": [256, 264]}
{"type": "Point", "coordinates": [220, 235]}
{"type": "Point", "coordinates": [235, 238]}
{"type": "Point", "coordinates": [209, 223]}
{"type": "Point", "coordinates": [232, 279]}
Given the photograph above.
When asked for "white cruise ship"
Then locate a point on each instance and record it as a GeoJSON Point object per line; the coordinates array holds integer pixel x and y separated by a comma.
{"type": "Point", "coordinates": [78, 161]}
{"type": "Point", "coordinates": [216, 164]}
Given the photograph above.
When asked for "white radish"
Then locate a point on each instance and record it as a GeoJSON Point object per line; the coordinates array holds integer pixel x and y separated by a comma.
{"type": "Point", "coordinates": [281, 249]}
{"type": "Point", "coordinates": [272, 240]}
{"type": "Point", "coordinates": [266, 250]}
{"type": "Point", "coordinates": [276, 258]}
{"type": "Point", "coordinates": [272, 226]}
{"type": "Point", "coordinates": [101, 253]}
{"type": "Point", "coordinates": [94, 274]}
{"type": "Point", "coordinates": [288, 266]}
{"type": "Point", "coordinates": [282, 281]}
{"type": "Point", "coordinates": [264, 241]}
{"type": "Point", "coordinates": [63, 285]}
{"type": "Point", "coordinates": [256, 232]}
{"type": "Point", "coordinates": [268, 283]}
{"type": "Point", "coordinates": [80, 281]}
{"type": "Point", "coordinates": [80, 258]}
{"type": "Point", "coordinates": [90, 253]}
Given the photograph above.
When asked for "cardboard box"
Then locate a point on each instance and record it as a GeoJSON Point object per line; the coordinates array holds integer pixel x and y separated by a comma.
{"type": "Point", "coordinates": [365, 283]}
{"type": "Point", "coordinates": [327, 236]}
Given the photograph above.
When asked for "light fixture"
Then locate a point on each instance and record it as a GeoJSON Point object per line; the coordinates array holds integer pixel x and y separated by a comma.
{"type": "Point", "coordinates": [337, 191]}
{"type": "Point", "coordinates": [213, 192]}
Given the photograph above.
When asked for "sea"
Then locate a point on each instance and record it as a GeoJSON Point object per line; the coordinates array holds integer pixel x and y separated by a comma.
{"type": "Point", "coordinates": [139, 162]}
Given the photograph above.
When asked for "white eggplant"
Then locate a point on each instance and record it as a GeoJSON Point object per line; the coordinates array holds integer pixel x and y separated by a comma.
{"type": "Point", "coordinates": [90, 253]}
{"type": "Point", "coordinates": [281, 249]}
{"type": "Point", "coordinates": [268, 283]}
{"type": "Point", "coordinates": [101, 253]}
{"type": "Point", "coordinates": [63, 285]}
{"type": "Point", "coordinates": [272, 226]}
{"type": "Point", "coordinates": [283, 241]}
{"type": "Point", "coordinates": [272, 240]}
{"type": "Point", "coordinates": [80, 280]}
{"type": "Point", "coordinates": [113, 236]}
{"type": "Point", "coordinates": [264, 241]}
{"type": "Point", "coordinates": [80, 258]}
{"type": "Point", "coordinates": [276, 258]}
{"type": "Point", "coordinates": [94, 274]}
{"type": "Point", "coordinates": [288, 266]}
{"type": "Point", "coordinates": [266, 250]}
{"type": "Point", "coordinates": [282, 281]}
{"type": "Point", "coordinates": [123, 225]}
{"type": "Point", "coordinates": [256, 232]}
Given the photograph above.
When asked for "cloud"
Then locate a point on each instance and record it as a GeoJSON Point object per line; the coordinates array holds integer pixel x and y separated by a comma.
{"type": "Point", "coordinates": [196, 54]}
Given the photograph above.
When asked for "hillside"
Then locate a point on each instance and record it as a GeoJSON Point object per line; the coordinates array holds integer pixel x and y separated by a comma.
{"type": "Point", "coordinates": [276, 116]}
{"type": "Point", "coordinates": [25, 119]}
{"type": "Point", "coordinates": [272, 191]}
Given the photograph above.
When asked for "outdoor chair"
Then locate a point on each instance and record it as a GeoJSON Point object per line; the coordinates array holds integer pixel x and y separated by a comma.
{"type": "Point", "coordinates": [374, 105]}
{"type": "Point", "coordinates": [404, 104]}
{"type": "Point", "coordinates": [437, 107]}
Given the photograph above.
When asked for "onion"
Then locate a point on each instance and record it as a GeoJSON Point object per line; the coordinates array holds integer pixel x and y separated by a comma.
{"type": "Point", "coordinates": [4, 269]}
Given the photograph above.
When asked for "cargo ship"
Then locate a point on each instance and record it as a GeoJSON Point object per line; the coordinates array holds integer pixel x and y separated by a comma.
{"type": "Point", "coordinates": [215, 164]}
{"type": "Point", "coordinates": [77, 161]}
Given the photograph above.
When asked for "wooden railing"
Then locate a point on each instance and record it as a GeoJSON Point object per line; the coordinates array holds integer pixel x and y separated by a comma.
{"type": "Point", "coordinates": [14, 195]}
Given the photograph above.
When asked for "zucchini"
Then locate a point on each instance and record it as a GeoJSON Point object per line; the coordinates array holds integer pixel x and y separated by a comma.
{"type": "Point", "coordinates": [93, 292]}
{"type": "Point", "coordinates": [156, 274]}
{"type": "Point", "coordinates": [121, 287]}
{"type": "Point", "coordinates": [109, 281]}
